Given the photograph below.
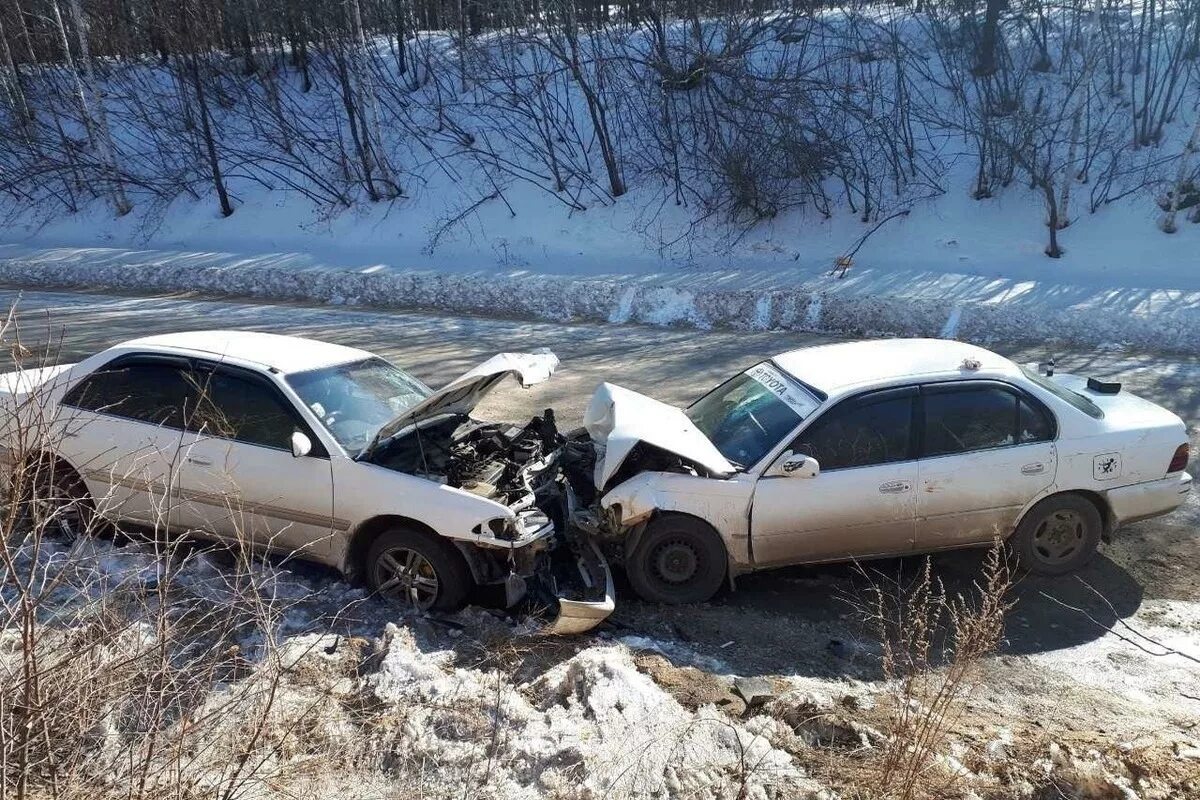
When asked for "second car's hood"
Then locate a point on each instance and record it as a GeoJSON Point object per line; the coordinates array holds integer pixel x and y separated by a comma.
{"type": "Point", "coordinates": [461, 395]}
{"type": "Point", "coordinates": [617, 419]}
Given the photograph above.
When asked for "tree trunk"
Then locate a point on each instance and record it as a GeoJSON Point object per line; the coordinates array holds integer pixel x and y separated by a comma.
{"type": "Point", "coordinates": [1185, 164]}
{"type": "Point", "coordinates": [985, 64]}
{"type": "Point", "coordinates": [91, 103]}
{"type": "Point", "coordinates": [210, 145]}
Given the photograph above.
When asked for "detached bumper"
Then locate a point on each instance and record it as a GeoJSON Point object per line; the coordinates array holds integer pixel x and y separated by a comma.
{"type": "Point", "coordinates": [1151, 499]}
{"type": "Point", "coordinates": [579, 612]}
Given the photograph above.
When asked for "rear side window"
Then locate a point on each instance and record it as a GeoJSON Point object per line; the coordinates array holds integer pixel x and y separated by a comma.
{"type": "Point", "coordinates": [980, 418]}
{"type": "Point", "coordinates": [860, 433]}
{"type": "Point", "coordinates": [233, 407]}
{"type": "Point", "coordinates": [152, 393]}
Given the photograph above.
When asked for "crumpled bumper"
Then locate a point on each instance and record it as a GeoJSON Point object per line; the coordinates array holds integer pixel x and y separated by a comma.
{"type": "Point", "coordinates": [579, 612]}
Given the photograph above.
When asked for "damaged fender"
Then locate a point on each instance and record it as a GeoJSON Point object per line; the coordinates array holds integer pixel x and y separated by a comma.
{"type": "Point", "coordinates": [723, 504]}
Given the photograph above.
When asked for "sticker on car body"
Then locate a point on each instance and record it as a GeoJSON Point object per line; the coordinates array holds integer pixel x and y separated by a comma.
{"type": "Point", "coordinates": [1106, 466]}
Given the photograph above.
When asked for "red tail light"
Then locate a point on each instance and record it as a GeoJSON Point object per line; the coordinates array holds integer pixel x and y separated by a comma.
{"type": "Point", "coordinates": [1179, 461]}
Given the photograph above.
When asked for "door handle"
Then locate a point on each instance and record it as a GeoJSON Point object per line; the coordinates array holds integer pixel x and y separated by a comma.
{"type": "Point", "coordinates": [1033, 469]}
{"type": "Point", "coordinates": [894, 487]}
{"type": "Point", "coordinates": [200, 462]}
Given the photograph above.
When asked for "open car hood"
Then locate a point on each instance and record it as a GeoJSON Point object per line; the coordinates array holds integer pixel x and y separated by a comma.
{"type": "Point", "coordinates": [617, 419]}
{"type": "Point", "coordinates": [461, 395]}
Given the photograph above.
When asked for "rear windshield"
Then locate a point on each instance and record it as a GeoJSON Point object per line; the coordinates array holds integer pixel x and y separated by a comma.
{"type": "Point", "coordinates": [1063, 393]}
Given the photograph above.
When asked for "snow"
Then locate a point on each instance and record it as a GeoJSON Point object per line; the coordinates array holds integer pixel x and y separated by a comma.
{"type": "Point", "coordinates": [953, 266]}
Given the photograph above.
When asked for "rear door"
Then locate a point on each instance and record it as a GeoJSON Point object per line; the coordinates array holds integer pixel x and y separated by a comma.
{"type": "Point", "coordinates": [987, 451]}
{"type": "Point", "coordinates": [238, 478]}
{"type": "Point", "coordinates": [862, 502]}
{"type": "Point", "coordinates": [121, 428]}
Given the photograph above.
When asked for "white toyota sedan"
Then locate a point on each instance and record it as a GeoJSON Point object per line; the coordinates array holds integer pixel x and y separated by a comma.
{"type": "Point", "coordinates": [870, 449]}
{"type": "Point", "coordinates": [311, 449]}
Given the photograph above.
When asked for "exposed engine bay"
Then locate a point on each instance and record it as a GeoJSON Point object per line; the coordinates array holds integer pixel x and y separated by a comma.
{"type": "Point", "coordinates": [500, 461]}
{"type": "Point", "coordinates": [543, 478]}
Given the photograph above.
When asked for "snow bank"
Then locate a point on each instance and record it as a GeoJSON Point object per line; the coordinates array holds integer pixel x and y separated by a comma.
{"type": "Point", "coordinates": [593, 719]}
{"type": "Point", "coordinates": [869, 302]}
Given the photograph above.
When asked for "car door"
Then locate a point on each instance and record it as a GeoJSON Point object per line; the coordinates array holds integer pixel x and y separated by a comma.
{"type": "Point", "coordinates": [238, 478]}
{"type": "Point", "coordinates": [987, 451]}
{"type": "Point", "coordinates": [121, 427]}
{"type": "Point", "coordinates": [861, 503]}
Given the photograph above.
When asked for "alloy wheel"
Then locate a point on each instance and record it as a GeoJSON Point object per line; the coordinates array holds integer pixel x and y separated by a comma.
{"type": "Point", "coordinates": [404, 575]}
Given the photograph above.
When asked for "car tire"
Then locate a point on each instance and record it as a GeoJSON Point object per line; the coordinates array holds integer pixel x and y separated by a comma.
{"type": "Point", "coordinates": [1058, 535]}
{"type": "Point", "coordinates": [419, 570]}
{"type": "Point", "coordinates": [678, 559]}
{"type": "Point", "coordinates": [59, 502]}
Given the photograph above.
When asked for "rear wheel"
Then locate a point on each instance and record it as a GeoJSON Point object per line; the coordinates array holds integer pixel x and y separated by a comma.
{"type": "Point", "coordinates": [1058, 535]}
{"type": "Point", "coordinates": [59, 503]}
{"type": "Point", "coordinates": [679, 559]}
{"type": "Point", "coordinates": [418, 570]}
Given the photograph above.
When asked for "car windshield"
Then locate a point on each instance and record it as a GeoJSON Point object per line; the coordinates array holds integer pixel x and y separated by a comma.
{"type": "Point", "coordinates": [751, 413]}
{"type": "Point", "coordinates": [353, 401]}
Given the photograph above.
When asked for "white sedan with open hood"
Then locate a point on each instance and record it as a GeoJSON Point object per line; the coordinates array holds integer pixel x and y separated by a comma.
{"type": "Point", "coordinates": [313, 449]}
{"type": "Point", "coordinates": [869, 449]}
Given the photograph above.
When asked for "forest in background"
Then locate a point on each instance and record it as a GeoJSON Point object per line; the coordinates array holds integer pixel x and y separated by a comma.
{"type": "Point", "coordinates": [738, 111]}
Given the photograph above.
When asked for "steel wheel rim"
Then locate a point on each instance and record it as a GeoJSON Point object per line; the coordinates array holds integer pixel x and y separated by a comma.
{"type": "Point", "coordinates": [404, 575]}
{"type": "Point", "coordinates": [1059, 536]}
{"type": "Point", "coordinates": [675, 561]}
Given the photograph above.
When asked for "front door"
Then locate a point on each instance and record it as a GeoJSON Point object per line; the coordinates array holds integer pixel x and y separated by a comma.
{"type": "Point", "coordinates": [987, 451]}
{"type": "Point", "coordinates": [862, 504]}
{"type": "Point", "coordinates": [238, 479]}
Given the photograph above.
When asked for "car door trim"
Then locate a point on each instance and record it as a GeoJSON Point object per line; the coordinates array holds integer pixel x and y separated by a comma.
{"type": "Point", "coordinates": [221, 501]}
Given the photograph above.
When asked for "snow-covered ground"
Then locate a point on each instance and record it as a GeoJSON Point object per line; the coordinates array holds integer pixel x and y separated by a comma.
{"type": "Point", "coordinates": [952, 271]}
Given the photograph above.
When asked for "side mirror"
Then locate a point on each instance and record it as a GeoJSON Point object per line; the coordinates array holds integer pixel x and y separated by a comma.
{"type": "Point", "coordinates": [301, 444]}
{"type": "Point", "coordinates": [795, 465]}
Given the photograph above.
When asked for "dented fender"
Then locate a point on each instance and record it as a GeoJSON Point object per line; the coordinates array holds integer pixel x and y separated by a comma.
{"type": "Point", "coordinates": [723, 504]}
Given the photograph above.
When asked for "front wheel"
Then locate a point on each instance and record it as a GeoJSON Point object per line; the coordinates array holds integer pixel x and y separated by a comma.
{"type": "Point", "coordinates": [1058, 535]}
{"type": "Point", "coordinates": [418, 570]}
{"type": "Point", "coordinates": [678, 560]}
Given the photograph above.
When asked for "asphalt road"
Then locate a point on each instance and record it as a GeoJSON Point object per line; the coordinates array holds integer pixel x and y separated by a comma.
{"type": "Point", "coordinates": [788, 611]}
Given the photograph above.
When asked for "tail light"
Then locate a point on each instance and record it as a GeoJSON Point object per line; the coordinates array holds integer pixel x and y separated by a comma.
{"type": "Point", "coordinates": [1179, 461]}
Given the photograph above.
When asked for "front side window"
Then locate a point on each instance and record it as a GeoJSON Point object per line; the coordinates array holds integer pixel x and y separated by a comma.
{"type": "Point", "coordinates": [232, 407]}
{"type": "Point", "coordinates": [981, 418]}
{"type": "Point", "coordinates": [860, 433]}
{"type": "Point", "coordinates": [749, 414]}
{"type": "Point", "coordinates": [353, 401]}
{"type": "Point", "coordinates": [156, 394]}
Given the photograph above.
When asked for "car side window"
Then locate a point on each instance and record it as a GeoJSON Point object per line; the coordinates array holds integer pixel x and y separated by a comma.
{"type": "Point", "coordinates": [980, 418]}
{"type": "Point", "coordinates": [1033, 424]}
{"type": "Point", "coordinates": [232, 407]}
{"type": "Point", "coordinates": [860, 433]}
{"type": "Point", "coordinates": [144, 392]}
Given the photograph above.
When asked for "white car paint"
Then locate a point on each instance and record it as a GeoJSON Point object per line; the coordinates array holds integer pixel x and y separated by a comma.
{"type": "Point", "coordinates": [311, 506]}
{"type": "Point", "coordinates": [767, 518]}
{"type": "Point", "coordinates": [617, 419]}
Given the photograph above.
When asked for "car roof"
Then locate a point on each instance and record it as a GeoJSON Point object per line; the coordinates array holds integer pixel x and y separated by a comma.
{"type": "Point", "coordinates": [837, 368]}
{"type": "Point", "coordinates": [285, 354]}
